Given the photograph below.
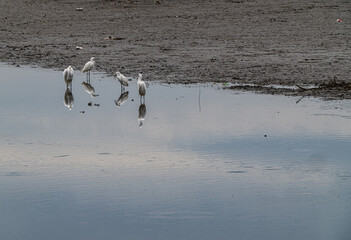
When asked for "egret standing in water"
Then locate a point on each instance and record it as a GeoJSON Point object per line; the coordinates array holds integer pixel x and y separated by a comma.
{"type": "Point", "coordinates": [122, 79]}
{"type": "Point", "coordinates": [68, 74]}
{"type": "Point", "coordinates": [88, 66]}
{"type": "Point", "coordinates": [141, 87]}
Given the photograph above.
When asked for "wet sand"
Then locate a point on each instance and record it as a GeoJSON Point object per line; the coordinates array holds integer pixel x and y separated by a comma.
{"type": "Point", "coordinates": [284, 42]}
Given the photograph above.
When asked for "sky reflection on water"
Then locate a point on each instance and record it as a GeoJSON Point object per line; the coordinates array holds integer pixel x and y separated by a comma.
{"type": "Point", "coordinates": [197, 168]}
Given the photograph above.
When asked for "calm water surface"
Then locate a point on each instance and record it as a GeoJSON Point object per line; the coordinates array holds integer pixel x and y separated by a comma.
{"type": "Point", "coordinates": [192, 163]}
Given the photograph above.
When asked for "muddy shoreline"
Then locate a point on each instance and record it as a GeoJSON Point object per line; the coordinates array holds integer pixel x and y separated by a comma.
{"type": "Point", "coordinates": [285, 42]}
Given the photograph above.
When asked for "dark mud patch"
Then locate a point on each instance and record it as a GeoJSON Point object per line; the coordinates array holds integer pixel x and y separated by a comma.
{"type": "Point", "coordinates": [326, 91]}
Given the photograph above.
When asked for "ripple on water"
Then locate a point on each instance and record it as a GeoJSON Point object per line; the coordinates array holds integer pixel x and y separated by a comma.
{"type": "Point", "coordinates": [180, 215]}
{"type": "Point", "coordinates": [61, 156]}
{"type": "Point", "coordinates": [14, 174]}
{"type": "Point", "coordinates": [236, 171]}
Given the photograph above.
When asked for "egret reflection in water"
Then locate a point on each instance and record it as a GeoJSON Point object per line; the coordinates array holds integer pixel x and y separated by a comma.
{"type": "Point", "coordinates": [122, 99]}
{"type": "Point", "coordinates": [89, 89]}
{"type": "Point", "coordinates": [142, 114]}
{"type": "Point", "coordinates": [68, 97]}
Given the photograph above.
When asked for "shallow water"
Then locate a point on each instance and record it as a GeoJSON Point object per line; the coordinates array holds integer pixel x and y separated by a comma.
{"type": "Point", "coordinates": [205, 164]}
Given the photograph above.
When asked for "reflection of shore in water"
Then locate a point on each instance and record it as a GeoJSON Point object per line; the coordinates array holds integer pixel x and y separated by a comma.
{"type": "Point", "coordinates": [141, 115]}
{"type": "Point", "coordinates": [89, 89]}
{"type": "Point", "coordinates": [122, 99]}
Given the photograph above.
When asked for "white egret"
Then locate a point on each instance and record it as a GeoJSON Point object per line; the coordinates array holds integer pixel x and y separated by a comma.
{"type": "Point", "coordinates": [68, 74]}
{"type": "Point", "coordinates": [141, 87]}
{"type": "Point", "coordinates": [122, 79]}
{"type": "Point", "coordinates": [88, 66]}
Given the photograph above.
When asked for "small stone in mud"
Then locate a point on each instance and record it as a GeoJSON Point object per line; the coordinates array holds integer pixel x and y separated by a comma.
{"type": "Point", "coordinates": [132, 100]}
{"type": "Point", "coordinates": [81, 112]}
{"type": "Point", "coordinates": [96, 104]}
{"type": "Point", "coordinates": [90, 104]}
{"type": "Point", "coordinates": [265, 135]}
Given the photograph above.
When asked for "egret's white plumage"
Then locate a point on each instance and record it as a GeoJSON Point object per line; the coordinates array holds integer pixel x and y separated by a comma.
{"type": "Point", "coordinates": [68, 74]}
{"type": "Point", "coordinates": [141, 86]}
{"type": "Point", "coordinates": [89, 65]}
{"type": "Point", "coordinates": [122, 79]}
